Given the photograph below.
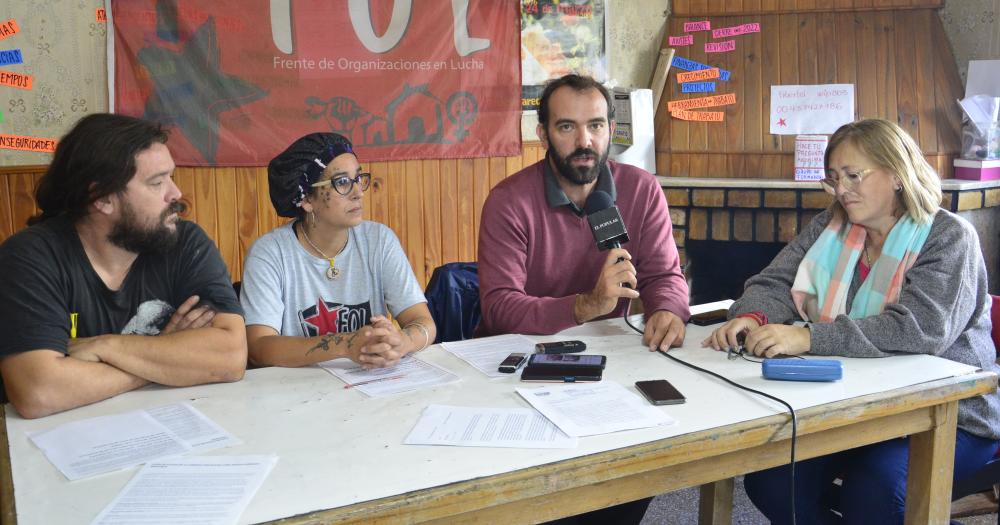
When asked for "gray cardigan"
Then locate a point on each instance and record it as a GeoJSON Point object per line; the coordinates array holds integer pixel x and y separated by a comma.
{"type": "Point", "coordinates": [943, 309]}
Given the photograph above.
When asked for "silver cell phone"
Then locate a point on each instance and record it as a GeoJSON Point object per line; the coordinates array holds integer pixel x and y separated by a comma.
{"type": "Point", "coordinates": [512, 363]}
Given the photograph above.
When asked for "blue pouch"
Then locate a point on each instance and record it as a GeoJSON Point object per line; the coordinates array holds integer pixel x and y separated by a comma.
{"type": "Point", "coordinates": [802, 369]}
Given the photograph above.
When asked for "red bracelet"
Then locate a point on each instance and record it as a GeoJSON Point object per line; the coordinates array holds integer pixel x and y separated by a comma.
{"type": "Point", "coordinates": [760, 317]}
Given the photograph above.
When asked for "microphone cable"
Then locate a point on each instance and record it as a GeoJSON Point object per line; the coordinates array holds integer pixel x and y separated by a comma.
{"type": "Point", "coordinates": [791, 411]}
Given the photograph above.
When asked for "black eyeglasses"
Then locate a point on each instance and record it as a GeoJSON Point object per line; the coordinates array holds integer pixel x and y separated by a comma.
{"type": "Point", "coordinates": [344, 185]}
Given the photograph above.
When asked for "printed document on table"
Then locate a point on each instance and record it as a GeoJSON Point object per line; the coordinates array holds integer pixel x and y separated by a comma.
{"type": "Point", "coordinates": [487, 427]}
{"type": "Point", "coordinates": [104, 444]}
{"type": "Point", "coordinates": [594, 408]}
{"type": "Point", "coordinates": [210, 490]}
{"type": "Point", "coordinates": [193, 427]}
{"type": "Point", "coordinates": [411, 373]}
{"type": "Point", "coordinates": [486, 353]}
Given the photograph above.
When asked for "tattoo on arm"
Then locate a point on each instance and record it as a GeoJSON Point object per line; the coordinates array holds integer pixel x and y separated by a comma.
{"type": "Point", "coordinates": [324, 343]}
{"type": "Point", "coordinates": [350, 340]}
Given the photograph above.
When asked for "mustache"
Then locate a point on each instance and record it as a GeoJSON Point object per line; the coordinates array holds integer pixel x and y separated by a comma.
{"type": "Point", "coordinates": [583, 152]}
{"type": "Point", "coordinates": [178, 207]}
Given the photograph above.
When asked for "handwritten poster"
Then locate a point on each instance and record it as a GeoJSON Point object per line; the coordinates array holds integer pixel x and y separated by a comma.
{"type": "Point", "coordinates": [809, 152]}
{"type": "Point", "coordinates": [697, 76]}
{"type": "Point", "coordinates": [743, 29]}
{"type": "Point", "coordinates": [10, 57]}
{"type": "Point", "coordinates": [698, 87]}
{"type": "Point", "coordinates": [692, 65]}
{"type": "Point", "coordinates": [8, 28]}
{"type": "Point", "coordinates": [703, 102]}
{"type": "Point", "coordinates": [16, 80]}
{"type": "Point", "coordinates": [813, 109]}
{"type": "Point", "coordinates": [685, 40]}
{"type": "Point", "coordinates": [27, 143]}
{"type": "Point", "coordinates": [699, 116]}
{"type": "Point", "coordinates": [720, 47]}
{"type": "Point", "coordinates": [704, 25]}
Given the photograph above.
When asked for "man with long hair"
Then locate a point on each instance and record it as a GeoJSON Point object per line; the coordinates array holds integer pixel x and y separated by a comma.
{"type": "Point", "coordinates": [108, 289]}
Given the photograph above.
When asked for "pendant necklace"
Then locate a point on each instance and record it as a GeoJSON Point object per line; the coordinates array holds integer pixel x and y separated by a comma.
{"type": "Point", "coordinates": [867, 258]}
{"type": "Point", "coordinates": [332, 272]}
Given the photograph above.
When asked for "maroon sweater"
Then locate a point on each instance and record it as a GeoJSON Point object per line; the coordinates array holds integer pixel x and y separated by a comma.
{"type": "Point", "coordinates": [534, 259]}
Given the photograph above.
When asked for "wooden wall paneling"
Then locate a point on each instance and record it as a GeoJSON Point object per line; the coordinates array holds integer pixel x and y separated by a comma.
{"type": "Point", "coordinates": [843, 4]}
{"type": "Point", "coordinates": [808, 5]}
{"type": "Point", "coordinates": [7, 227]}
{"type": "Point", "coordinates": [732, 6]}
{"type": "Point", "coordinates": [247, 225]}
{"type": "Point", "coordinates": [378, 199]}
{"type": "Point", "coordinates": [468, 214]}
{"type": "Point", "coordinates": [866, 88]}
{"type": "Point", "coordinates": [716, 133]}
{"type": "Point", "coordinates": [787, 6]}
{"type": "Point", "coordinates": [227, 226]}
{"type": "Point", "coordinates": [885, 60]}
{"type": "Point", "coordinates": [698, 138]}
{"type": "Point", "coordinates": [22, 198]}
{"type": "Point", "coordinates": [674, 136]}
{"type": "Point", "coordinates": [395, 190]}
{"type": "Point", "coordinates": [828, 45]}
{"type": "Point", "coordinates": [206, 209]}
{"type": "Point", "coordinates": [267, 218]}
{"type": "Point", "coordinates": [811, 44]}
{"type": "Point", "coordinates": [847, 36]}
{"type": "Point", "coordinates": [433, 225]}
{"type": "Point", "coordinates": [753, 101]}
{"type": "Point", "coordinates": [480, 189]}
{"type": "Point", "coordinates": [184, 180]}
{"type": "Point", "coordinates": [770, 73]}
{"type": "Point", "coordinates": [906, 82]}
{"type": "Point", "coordinates": [925, 73]}
{"type": "Point", "coordinates": [790, 27]}
{"type": "Point", "coordinates": [948, 87]}
{"type": "Point", "coordinates": [735, 129]}
{"type": "Point", "coordinates": [413, 225]}
{"type": "Point", "coordinates": [862, 4]}
{"type": "Point", "coordinates": [449, 198]}
{"type": "Point", "coordinates": [753, 7]}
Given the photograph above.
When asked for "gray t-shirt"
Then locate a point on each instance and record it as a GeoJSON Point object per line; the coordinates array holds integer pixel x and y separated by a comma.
{"type": "Point", "coordinates": [285, 287]}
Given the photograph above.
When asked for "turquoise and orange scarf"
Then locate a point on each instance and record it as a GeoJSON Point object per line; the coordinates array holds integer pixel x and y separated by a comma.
{"type": "Point", "coordinates": [824, 275]}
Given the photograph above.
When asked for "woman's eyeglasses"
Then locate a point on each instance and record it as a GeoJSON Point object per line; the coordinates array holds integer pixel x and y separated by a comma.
{"type": "Point", "coordinates": [344, 185]}
{"type": "Point", "coordinates": [850, 180]}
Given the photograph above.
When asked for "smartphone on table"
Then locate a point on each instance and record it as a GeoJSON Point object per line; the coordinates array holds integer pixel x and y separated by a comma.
{"type": "Point", "coordinates": [512, 363]}
{"type": "Point", "coordinates": [709, 318]}
{"type": "Point", "coordinates": [660, 392]}
{"type": "Point", "coordinates": [564, 368]}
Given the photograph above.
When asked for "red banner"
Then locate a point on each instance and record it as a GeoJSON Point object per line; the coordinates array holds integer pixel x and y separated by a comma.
{"type": "Point", "coordinates": [239, 80]}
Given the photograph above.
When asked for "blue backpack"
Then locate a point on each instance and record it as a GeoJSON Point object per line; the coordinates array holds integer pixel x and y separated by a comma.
{"type": "Point", "coordinates": [453, 299]}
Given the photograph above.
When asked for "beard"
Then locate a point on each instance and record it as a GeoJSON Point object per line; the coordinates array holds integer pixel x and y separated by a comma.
{"type": "Point", "coordinates": [583, 174]}
{"type": "Point", "coordinates": [128, 234]}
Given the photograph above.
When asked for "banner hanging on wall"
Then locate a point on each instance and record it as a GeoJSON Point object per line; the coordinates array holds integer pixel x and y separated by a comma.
{"type": "Point", "coordinates": [238, 80]}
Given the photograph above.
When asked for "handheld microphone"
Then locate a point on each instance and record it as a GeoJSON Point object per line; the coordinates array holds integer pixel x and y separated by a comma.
{"type": "Point", "coordinates": [605, 221]}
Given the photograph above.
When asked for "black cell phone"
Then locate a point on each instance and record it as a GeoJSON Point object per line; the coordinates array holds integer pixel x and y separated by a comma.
{"type": "Point", "coordinates": [707, 318]}
{"type": "Point", "coordinates": [567, 360]}
{"type": "Point", "coordinates": [561, 373]}
{"type": "Point", "coordinates": [560, 347]}
{"type": "Point", "coordinates": [511, 363]}
{"type": "Point", "coordinates": [660, 392]}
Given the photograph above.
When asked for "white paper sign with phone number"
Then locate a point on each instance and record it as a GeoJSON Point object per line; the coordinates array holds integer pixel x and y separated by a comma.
{"type": "Point", "coordinates": [818, 109]}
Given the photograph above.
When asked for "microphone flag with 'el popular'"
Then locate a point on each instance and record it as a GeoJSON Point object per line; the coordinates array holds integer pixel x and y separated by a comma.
{"type": "Point", "coordinates": [605, 221]}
